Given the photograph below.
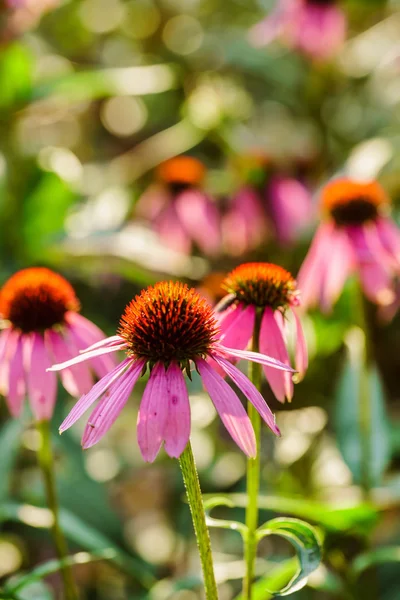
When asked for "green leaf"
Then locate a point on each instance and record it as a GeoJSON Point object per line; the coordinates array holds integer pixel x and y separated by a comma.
{"type": "Point", "coordinates": [359, 386]}
{"type": "Point", "coordinates": [53, 566]}
{"type": "Point", "coordinates": [305, 540]}
{"type": "Point", "coordinates": [15, 75]}
{"type": "Point", "coordinates": [213, 502]}
{"type": "Point", "coordinates": [275, 580]}
{"type": "Point", "coordinates": [375, 557]}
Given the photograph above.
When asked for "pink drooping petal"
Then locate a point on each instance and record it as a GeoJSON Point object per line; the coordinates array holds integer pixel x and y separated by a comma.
{"type": "Point", "coordinates": [320, 29]}
{"type": "Point", "coordinates": [250, 391]}
{"type": "Point", "coordinates": [42, 384]}
{"type": "Point", "coordinates": [97, 390]}
{"type": "Point", "coordinates": [338, 268]}
{"type": "Point", "coordinates": [171, 231]}
{"type": "Point", "coordinates": [86, 336]}
{"type": "Point", "coordinates": [110, 405]}
{"type": "Point", "coordinates": [237, 329]}
{"type": "Point", "coordinates": [229, 408]}
{"type": "Point", "coordinates": [301, 353]}
{"type": "Point", "coordinates": [153, 413]}
{"type": "Point", "coordinates": [315, 264]}
{"type": "Point", "coordinates": [271, 342]}
{"type": "Point", "coordinates": [76, 380]}
{"type": "Point", "coordinates": [244, 224]}
{"type": "Point", "coordinates": [253, 356]}
{"type": "Point", "coordinates": [8, 343]}
{"type": "Point", "coordinates": [86, 356]}
{"type": "Point", "coordinates": [177, 426]}
{"type": "Point", "coordinates": [152, 202]}
{"type": "Point", "coordinates": [16, 384]}
{"type": "Point", "coordinates": [291, 207]}
{"type": "Point", "coordinates": [269, 28]}
{"type": "Point", "coordinates": [389, 235]}
{"type": "Point", "coordinates": [200, 218]}
{"type": "Point", "coordinates": [375, 274]}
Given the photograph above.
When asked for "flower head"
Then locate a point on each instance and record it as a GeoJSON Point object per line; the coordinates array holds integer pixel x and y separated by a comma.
{"type": "Point", "coordinates": [179, 210]}
{"type": "Point", "coordinates": [168, 328]}
{"type": "Point", "coordinates": [356, 235]}
{"type": "Point", "coordinates": [40, 324]}
{"type": "Point", "coordinates": [272, 291]}
{"type": "Point", "coordinates": [317, 28]}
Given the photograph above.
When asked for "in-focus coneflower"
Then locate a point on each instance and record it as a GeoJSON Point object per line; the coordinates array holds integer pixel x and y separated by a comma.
{"type": "Point", "coordinates": [169, 328]}
{"type": "Point", "coordinates": [40, 325]}
{"type": "Point", "coordinates": [180, 212]}
{"type": "Point", "coordinates": [270, 291]}
{"type": "Point", "coordinates": [356, 235]}
{"type": "Point", "coordinates": [317, 28]}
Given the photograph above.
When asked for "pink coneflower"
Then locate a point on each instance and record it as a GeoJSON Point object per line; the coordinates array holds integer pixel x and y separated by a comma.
{"type": "Point", "coordinates": [244, 224]}
{"type": "Point", "coordinates": [180, 211]}
{"type": "Point", "coordinates": [357, 235]}
{"type": "Point", "coordinates": [316, 28]}
{"type": "Point", "coordinates": [41, 324]}
{"type": "Point", "coordinates": [272, 291]}
{"type": "Point", "coordinates": [169, 328]}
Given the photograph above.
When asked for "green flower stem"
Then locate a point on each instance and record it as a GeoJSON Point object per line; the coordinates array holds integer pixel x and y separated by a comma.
{"type": "Point", "coordinates": [253, 473]}
{"type": "Point", "coordinates": [46, 463]}
{"type": "Point", "coordinates": [193, 491]}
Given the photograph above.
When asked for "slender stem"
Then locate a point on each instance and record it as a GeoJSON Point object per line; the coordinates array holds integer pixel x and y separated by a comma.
{"type": "Point", "coordinates": [193, 491]}
{"type": "Point", "coordinates": [46, 463]}
{"type": "Point", "coordinates": [253, 473]}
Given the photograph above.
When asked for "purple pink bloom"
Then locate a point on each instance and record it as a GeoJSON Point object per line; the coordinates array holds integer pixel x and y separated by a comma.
{"type": "Point", "coordinates": [317, 28]}
{"type": "Point", "coordinates": [270, 291]}
{"type": "Point", "coordinates": [356, 235]}
{"type": "Point", "coordinates": [40, 325]}
{"type": "Point", "coordinates": [168, 329]}
{"type": "Point", "coordinates": [180, 212]}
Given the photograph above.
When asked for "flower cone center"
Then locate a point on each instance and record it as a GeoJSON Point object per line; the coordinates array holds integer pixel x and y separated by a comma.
{"type": "Point", "coordinates": [168, 322]}
{"type": "Point", "coordinates": [36, 299]}
{"type": "Point", "coordinates": [181, 173]}
{"type": "Point", "coordinates": [353, 203]}
{"type": "Point", "coordinates": [262, 285]}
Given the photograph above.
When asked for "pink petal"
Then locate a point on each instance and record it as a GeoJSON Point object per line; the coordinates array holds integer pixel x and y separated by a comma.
{"type": "Point", "coordinates": [389, 235]}
{"type": "Point", "coordinates": [229, 408]}
{"type": "Point", "coordinates": [339, 267]}
{"type": "Point", "coordinates": [291, 207]}
{"type": "Point", "coordinates": [9, 339]}
{"type": "Point", "coordinates": [153, 412]}
{"type": "Point", "coordinates": [152, 202]}
{"type": "Point", "coordinates": [237, 331]}
{"type": "Point", "coordinates": [42, 385]}
{"type": "Point", "coordinates": [271, 342]}
{"type": "Point", "coordinates": [301, 346]}
{"type": "Point", "coordinates": [171, 231]}
{"type": "Point", "coordinates": [76, 380]}
{"type": "Point", "coordinates": [110, 405]}
{"type": "Point", "coordinates": [16, 386]}
{"type": "Point", "coordinates": [86, 356]}
{"type": "Point", "coordinates": [86, 337]}
{"type": "Point", "coordinates": [200, 218]}
{"type": "Point", "coordinates": [253, 356]}
{"type": "Point", "coordinates": [177, 427]}
{"type": "Point", "coordinates": [250, 391]}
{"type": "Point", "coordinates": [97, 390]}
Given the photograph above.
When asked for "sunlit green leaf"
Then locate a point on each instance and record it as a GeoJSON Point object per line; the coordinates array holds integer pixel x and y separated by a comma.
{"type": "Point", "coordinates": [375, 557]}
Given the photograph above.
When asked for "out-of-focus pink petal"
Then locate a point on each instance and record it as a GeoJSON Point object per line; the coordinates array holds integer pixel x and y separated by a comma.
{"type": "Point", "coordinates": [301, 353]}
{"type": "Point", "coordinates": [229, 408]}
{"type": "Point", "coordinates": [9, 339]}
{"type": "Point", "coordinates": [244, 225]}
{"type": "Point", "coordinates": [389, 235]}
{"type": "Point", "coordinates": [237, 331]}
{"type": "Point", "coordinates": [291, 207]}
{"type": "Point", "coordinates": [16, 385]}
{"type": "Point", "coordinates": [110, 405]}
{"type": "Point", "coordinates": [86, 356]}
{"type": "Point", "coordinates": [200, 218]}
{"type": "Point", "coordinates": [339, 266]}
{"type": "Point", "coordinates": [153, 414]}
{"type": "Point", "coordinates": [313, 269]}
{"type": "Point", "coordinates": [76, 380]}
{"type": "Point", "coordinates": [177, 426]}
{"type": "Point", "coordinates": [271, 343]}
{"type": "Point", "coordinates": [97, 390]}
{"type": "Point", "coordinates": [152, 202]}
{"type": "Point", "coordinates": [253, 356]}
{"type": "Point", "coordinates": [321, 30]}
{"type": "Point", "coordinates": [42, 384]}
{"type": "Point", "coordinates": [269, 28]}
{"type": "Point", "coordinates": [171, 231]}
{"type": "Point", "coordinates": [250, 391]}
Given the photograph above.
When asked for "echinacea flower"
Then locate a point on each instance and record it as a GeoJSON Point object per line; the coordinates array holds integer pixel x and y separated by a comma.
{"type": "Point", "coordinates": [272, 291]}
{"type": "Point", "coordinates": [40, 325]}
{"type": "Point", "coordinates": [168, 328]}
{"type": "Point", "coordinates": [317, 28]}
{"type": "Point", "coordinates": [356, 235]}
{"type": "Point", "coordinates": [179, 210]}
